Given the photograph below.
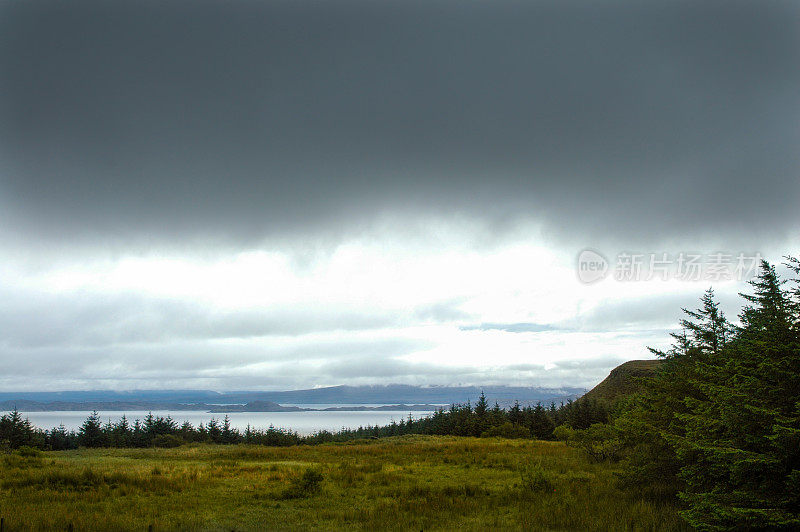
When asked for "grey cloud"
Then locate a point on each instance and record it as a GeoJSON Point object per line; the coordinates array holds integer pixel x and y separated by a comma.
{"type": "Point", "coordinates": [602, 363]}
{"type": "Point", "coordinates": [370, 368]}
{"type": "Point", "coordinates": [226, 364]}
{"type": "Point", "coordinates": [305, 363]}
{"type": "Point", "coordinates": [580, 372]}
{"type": "Point", "coordinates": [444, 311]}
{"type": "Point", "coordinates": [511, 327]}
{"type": "Point", "coordinates": [526, 367]}
{"type": "Point", "coordinates": [652, 314]}
{"type": "Point", "coordinates": [388, 370]}
{"type": "Point", "coordinates": [169, 121]}
{"type": "Point", "coordinates": [33, 319]}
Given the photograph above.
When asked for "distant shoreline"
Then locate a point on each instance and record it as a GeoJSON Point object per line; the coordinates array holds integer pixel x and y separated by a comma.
{"type": "Point", "coordinates": [250, 407]}
{"type": "Point", "coordinates": [255, 406]}
{"type": "Point", "coordinates": [331, 399]}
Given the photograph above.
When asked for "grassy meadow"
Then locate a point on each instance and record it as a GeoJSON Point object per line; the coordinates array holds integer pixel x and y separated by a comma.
{"type": "Point", "coordinates": [410, 482]}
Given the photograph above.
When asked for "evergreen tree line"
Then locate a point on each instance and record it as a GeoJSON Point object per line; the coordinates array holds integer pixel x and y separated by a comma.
{"type": "Point", "coordinates": [458, 420]}
{"type": "Point", "coordinates": [718, 425]}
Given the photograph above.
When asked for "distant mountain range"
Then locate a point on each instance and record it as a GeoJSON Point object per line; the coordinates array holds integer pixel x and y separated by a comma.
{"type": "Point", "coordinates": [406, 396]}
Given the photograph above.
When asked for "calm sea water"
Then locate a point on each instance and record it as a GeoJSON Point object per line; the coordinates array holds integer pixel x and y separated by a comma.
{"type": "Point", "coordinates": [302, 422]}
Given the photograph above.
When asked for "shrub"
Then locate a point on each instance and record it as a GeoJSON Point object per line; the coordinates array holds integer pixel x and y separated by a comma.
{"type": "Point", "coordinates": [536, 479]}
{"type": "Point", "coordinates": [29, 452]}
{"type": "Point", "coordinates": [564, 433]}
{"type": "Point", "coordinates": [507, 430]}
{"type": "Point", "coordinates": [304, 485]}
{"type": "Point", "coordinates": [600, 442]}
{"type": "Point", "coordinates": [168, 441]}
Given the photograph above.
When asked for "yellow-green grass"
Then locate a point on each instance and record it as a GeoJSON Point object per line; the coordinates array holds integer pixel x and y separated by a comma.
{"type": "Point", "coordinates": [409, 483]}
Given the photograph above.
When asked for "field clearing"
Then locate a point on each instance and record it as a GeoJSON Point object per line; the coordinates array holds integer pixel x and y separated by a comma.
{"type": "Point", "coordinates": [405, 483]}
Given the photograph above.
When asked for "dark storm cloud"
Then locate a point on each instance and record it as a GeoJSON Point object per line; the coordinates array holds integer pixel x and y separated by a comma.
{"type": "Point", "coordinates": [240, 120]}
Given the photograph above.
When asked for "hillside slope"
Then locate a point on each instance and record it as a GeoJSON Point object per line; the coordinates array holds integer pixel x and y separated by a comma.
{"type": "Point", "coordinates": [623, 380]}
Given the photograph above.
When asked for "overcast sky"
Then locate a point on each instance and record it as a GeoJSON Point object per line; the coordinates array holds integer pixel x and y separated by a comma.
{"type": "Point", "coordinates": [283, 194]}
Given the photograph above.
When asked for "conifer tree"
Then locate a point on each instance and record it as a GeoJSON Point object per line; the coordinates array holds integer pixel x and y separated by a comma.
{"type": "Point", "coordinates": [213, 430]}
{"type": "Point", "coordinates": [227, 434]}
{"type": "Point", "coordinates": [741, 448]}
{"type": "Point", "coordinates": [91, 432]}
{"type": "Point", "coordinates": [793, 263]}
{"type": "Point", "coordinates": [122, 431]}
{"type": "Point", "coordinates": [651, 422]}
{"type": "Point", "coordinates": [708, 327]}
{"type": "Point", "coordinates": [541, 426]}
{"type": "Point", "coordinates": [482, 405]}
{"type": "Point", "coordinates": [16, 431]}
{"type": "Point", "coordinates": [515, 414]}
{"type": "Point", "coordinates": [59, 439]}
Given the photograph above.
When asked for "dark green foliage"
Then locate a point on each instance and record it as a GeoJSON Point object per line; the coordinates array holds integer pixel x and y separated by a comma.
{"type": "Point", "coordinates": [168, 441]}
{"type": "Point", "coordinates": [481, 406]}
{"type": "Point", "coordinates": [540, 422]}
{"type": "Point", "coordinates": [601, 441]}
{"type": "Point", "coordinates": [59, 439]}
{"type": "Point", "coordinates": [29, 452]}
{"type": "Point", "coordinates": [16, 431]}
{"type": "Point", "coordinates": [652, 421]}
{"type": "Point", "coordinates": [707, 327]}
{"type": "Point", "coordinates": [91, 433]}
{"type": "Point", "coordinates": [741, 450]}
{"type": "Point", "coordinates": [515, 414]}
{"type": "Point", "coordinates": [583, 413]}
{"type": "Point", "coordinates": [118, 435]}
{"type": "Point", "coordinates": [536, 479]}
{"type": "Point", "coordinates": [507, 430]}
{"type": "Point", "coordinates": [228, 435]}
{"type": "Point", "coordinates": [303, 485]}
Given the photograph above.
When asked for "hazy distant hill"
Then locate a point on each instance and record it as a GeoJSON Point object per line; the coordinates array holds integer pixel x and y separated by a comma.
{"type": "Point", "coordinates": [394, 394]}
{"type": "Point", "coordinates": [182, 399]}
{"type": "Point", "coordinates": [623, 380]}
